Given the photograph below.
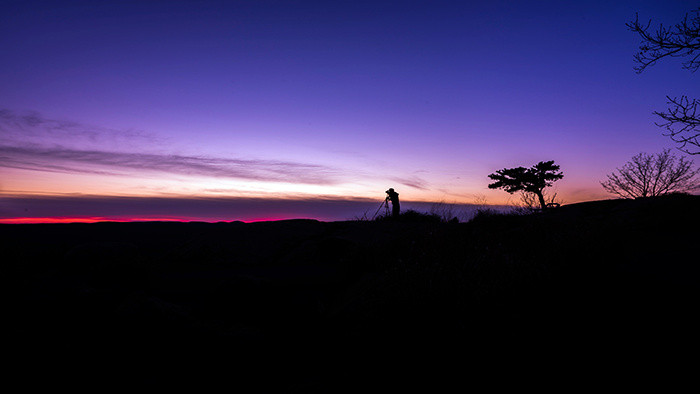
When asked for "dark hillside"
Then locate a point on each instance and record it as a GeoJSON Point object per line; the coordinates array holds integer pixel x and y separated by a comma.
{"type": "Point", "coordinates": [582, 294]}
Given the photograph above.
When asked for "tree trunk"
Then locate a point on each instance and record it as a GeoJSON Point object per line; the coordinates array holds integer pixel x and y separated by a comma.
{"type": "Point", "coordinates": [540, 196]}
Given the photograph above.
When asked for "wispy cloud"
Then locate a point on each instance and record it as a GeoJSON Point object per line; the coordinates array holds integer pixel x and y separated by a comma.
{"type": "Point", "coordinates": [32, 127]}
{"type": "Point", "coordinates": [121, 163]}
{"type": "Point", "coordinates": [33, 142]}
{"type": "Point", "coordinates": [414, 182]}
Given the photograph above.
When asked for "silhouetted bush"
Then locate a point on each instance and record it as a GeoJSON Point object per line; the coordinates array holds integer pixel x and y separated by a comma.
{"type": "Point", "coordinates": [483, 213]}
{"type": "Point", "coordinates": [412, 216]}
{"type": "Point", "coordinates": [445, 211]}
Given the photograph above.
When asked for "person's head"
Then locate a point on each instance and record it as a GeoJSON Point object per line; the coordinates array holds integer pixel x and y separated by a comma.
{"type": "Point", "coordinates": [391, 190]}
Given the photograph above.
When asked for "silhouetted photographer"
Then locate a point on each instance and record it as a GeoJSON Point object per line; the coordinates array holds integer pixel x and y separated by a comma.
{"type": "Point", "coordinates": [394, 198]}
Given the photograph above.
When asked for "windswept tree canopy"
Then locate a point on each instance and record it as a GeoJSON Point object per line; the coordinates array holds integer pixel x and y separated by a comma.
{"type": "Point", "coordinates": [531, 180]}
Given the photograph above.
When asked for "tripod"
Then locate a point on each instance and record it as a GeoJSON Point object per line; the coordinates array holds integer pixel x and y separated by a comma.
{"type": "Point", "coordinates": [384, 204]}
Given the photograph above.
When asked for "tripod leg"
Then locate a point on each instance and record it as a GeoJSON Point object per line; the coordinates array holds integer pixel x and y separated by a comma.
{"type": "Point", "coordinates": [378, 209]}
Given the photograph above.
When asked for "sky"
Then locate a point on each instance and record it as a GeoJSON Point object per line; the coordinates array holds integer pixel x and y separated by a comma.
{"type": "Point", "coordinates": [254, 110]}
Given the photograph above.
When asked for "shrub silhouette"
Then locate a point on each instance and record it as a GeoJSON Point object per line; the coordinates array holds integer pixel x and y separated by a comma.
{"type": "Point", "coordinates": [413, 216]}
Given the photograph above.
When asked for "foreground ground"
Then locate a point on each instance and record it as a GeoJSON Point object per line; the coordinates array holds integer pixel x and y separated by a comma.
{"type": "Point", "coordinates": [587, 294]}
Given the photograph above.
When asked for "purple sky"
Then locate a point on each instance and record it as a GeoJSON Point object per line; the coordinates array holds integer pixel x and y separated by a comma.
{"type": "Point", "coordinates": [299, 100]}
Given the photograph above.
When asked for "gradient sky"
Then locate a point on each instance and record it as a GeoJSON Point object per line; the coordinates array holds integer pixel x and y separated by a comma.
{"type": "Point", "coordinates": [123, 103]}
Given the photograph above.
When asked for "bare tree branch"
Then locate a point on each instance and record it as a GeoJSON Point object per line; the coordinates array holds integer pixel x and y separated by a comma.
{"type": "Point", "coordinates": [653, 175]}
{"type": "Point", "coordinates": [679, 41]}
{"type": "Point", "coordinates": [681, 120]}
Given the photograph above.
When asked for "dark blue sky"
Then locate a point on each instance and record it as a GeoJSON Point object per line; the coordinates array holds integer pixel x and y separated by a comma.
{"type": "Point", "coordinates": [295, 99]}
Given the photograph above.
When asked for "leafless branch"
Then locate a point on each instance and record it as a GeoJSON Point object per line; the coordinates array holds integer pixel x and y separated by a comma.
{"type": "Point", "coordinates": [653, 175]}
{"type": "Point", "coordinates": [682, 122]}
{"type": "Point", "coordinates": [682, 40]}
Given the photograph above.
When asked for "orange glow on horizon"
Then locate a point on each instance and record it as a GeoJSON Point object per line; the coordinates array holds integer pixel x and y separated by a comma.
{"type": "Point", "coordinates": [49, 220]}
{"type": "Point", "coordinates": [84, 220]}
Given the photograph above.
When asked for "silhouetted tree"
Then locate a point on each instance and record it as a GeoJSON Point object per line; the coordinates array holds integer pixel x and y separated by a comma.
{"type": "Point", "coordinates": [681, 120]}
{"type": "Point", "coordinates": [532, 180]}
{"type": "Point", "coordinates": [530, 202]}
{"type": "Point", "coordinates": [652, 175]}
